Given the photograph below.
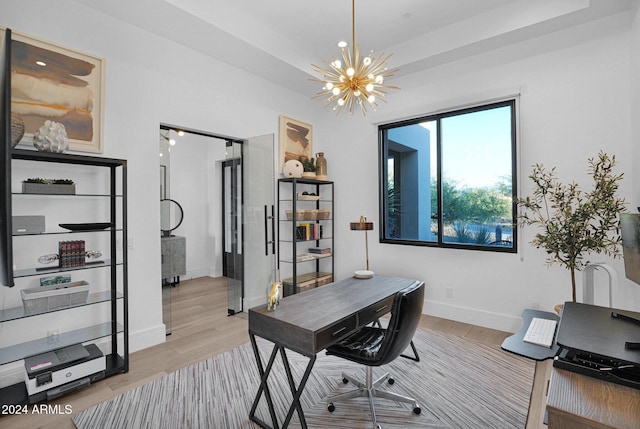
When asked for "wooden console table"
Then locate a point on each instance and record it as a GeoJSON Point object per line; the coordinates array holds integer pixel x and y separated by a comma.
{"type": "Point", "coordinates": [576, 401]}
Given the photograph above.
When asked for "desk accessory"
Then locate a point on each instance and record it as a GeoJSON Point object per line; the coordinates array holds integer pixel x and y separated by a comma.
{"type": "Point", "coordinates": [363, 225]}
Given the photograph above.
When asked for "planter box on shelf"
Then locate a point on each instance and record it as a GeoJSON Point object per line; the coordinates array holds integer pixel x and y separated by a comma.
{"type": "Point", "coordinates": [49, 188]}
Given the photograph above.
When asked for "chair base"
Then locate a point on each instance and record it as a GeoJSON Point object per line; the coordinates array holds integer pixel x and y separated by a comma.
{"type": "Point", "coordinates": [370, 389]}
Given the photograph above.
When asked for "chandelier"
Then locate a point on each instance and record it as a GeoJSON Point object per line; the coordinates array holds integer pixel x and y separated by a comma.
{"type": "Point", "coordinates": [356, 80]}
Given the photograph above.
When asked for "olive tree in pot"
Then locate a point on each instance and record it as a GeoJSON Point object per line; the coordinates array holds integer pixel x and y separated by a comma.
{"type": "Point", "coordinates": [574, 223]}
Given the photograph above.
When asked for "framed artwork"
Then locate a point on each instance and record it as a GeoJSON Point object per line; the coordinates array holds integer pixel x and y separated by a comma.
{"type": "Point", "coordinates": [296, 140]}
{"type": "Point", "coordinates": [51, 82]}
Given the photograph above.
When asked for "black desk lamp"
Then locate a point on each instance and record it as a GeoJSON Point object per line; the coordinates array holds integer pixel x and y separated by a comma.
{"type": "Point", "coordinates": [365, 226]}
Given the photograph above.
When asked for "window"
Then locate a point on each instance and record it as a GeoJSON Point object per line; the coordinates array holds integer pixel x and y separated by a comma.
{"type": "Point", "coordinates": [448, 179]}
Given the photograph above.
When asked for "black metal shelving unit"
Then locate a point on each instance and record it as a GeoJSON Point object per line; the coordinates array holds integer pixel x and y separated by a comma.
{"type": "Point", "coordinates": [307, 271]}
{"type": "Point", "coordinates": [117, 361]}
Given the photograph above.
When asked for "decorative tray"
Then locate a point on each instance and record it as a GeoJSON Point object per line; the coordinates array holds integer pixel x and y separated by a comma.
{"type": "Point", "coordinates": [86, 226]}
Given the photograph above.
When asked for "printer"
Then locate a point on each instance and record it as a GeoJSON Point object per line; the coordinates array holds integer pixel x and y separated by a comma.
{"type": "Point", "coordinates": [600, 342]}
{"type": "Point", "coordinates": [52, 374]}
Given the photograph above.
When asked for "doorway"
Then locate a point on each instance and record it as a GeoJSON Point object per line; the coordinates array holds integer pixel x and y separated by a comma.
{"type": "Point", "coordinates": [220, 206]}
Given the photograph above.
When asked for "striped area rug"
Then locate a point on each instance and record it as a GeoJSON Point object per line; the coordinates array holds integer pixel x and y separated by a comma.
{"type": "Point", "coordinates": [458, 383]}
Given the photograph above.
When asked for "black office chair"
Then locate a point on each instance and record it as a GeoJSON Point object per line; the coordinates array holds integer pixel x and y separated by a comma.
{"type": "Point", "coordinates": [375, 346]}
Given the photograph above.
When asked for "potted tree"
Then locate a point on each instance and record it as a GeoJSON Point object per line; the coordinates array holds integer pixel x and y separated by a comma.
{"type": "Point", "coordinates": [574, 223]}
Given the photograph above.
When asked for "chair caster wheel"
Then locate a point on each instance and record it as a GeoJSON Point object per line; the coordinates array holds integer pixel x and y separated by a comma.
{"type": "Point", "coordinates": [345, 381]}
{"type": "Point", "coordinates": [331, 407]}
{"type": "Point", "coordinates": [391, 380]}
{"type": "Point", "coordinates": [416, 410]}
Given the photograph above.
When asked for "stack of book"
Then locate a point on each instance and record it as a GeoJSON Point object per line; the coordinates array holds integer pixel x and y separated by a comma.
{"type": "Point", "coordinates": [308, 231]}
{"type": "Point", "coordinates": [71, 253]}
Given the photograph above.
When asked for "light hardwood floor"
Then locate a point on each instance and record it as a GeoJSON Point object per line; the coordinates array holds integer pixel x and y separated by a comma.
{"type": "Point", "coordinates": [201, 328]}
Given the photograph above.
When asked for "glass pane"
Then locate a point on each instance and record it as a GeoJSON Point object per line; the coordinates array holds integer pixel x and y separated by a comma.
{"type": "Point", "coordinates": [410, 202]}
{"type": "Point", "coordinates": [476, 177]}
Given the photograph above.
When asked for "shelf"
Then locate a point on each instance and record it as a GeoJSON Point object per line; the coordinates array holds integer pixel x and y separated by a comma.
{"type": "Point", "coordinates": [15, 313]}
{"type": "Point", "coordinates": [22, 194]}
{"type": "Point", "coordinates": [28, 272]}
{"type": "Point", "coordinates": [305, 220]}
{"type": "Point", "coordinates": [305, 181]}
{"type": "Point", "coordinates": [310, 258]}
{"type": "Point", "coordinates": [42, 345]}
{"type": "Point", "coordinates": [307, 241]}
{"type": "Point", "coordinates": [66, 231]}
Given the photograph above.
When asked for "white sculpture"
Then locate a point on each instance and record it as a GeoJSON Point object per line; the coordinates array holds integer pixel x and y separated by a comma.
{"type": "Point", "coordinates": [292, 168]}
{"type": "Point", "coordinates": [51, 137]}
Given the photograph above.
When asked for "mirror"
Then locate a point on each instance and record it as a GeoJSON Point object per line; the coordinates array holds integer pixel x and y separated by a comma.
{"type": "Point", "coordinates": [171, 215]}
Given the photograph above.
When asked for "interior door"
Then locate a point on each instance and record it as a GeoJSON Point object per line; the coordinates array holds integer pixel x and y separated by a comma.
{"type": "Point", "coordinates": [259, 216]}
{"type": "Point", "coordinates": [232, 255]}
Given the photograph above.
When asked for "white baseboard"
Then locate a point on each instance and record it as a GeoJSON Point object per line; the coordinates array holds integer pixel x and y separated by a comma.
{"type": "Point", "coordinates": [487, 319]}
{"type": "Point", "coordinates": [249, 303]}
{"type": "Point", "coordinates": [13, 372]}
{"type": "Point", "coordinates": [195, 274]}
{"type": "Point", "coordinates": [149, 337]}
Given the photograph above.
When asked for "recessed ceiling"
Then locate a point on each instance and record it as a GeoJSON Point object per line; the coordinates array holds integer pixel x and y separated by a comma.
{"type": "Point", "coordinates": [286, 36]}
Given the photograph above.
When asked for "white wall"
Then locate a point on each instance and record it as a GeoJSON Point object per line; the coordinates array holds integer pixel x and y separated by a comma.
{"type": "Point", "coordinates": [150, 81]}
{"type": "Point", "coordinates": [196, 182]}
{"type": "Point", "coordinates": [575, 91]}
{"type": "Point", "coordinates": [576, 98]}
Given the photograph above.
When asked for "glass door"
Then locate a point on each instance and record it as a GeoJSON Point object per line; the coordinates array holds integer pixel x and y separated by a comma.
{"type": "Point", "coordinates": [232, 256]}
{"type": "Point", "coordinates": [259, 221]}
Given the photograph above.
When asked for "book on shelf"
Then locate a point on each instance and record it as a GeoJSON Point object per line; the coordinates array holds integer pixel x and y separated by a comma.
{"type": "Point", "coordinates": [71, 253]}
{"type": "Point", "coordinates": [309, 231]}
{"type": "Point", "coordinates": [320, 250]}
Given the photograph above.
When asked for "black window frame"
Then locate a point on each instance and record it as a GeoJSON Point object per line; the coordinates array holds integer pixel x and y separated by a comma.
{"type": "Point", "coordinates": [383, 177]}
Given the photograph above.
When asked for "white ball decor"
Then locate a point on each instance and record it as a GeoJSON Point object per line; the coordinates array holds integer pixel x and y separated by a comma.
{"type": "Point", "coordinates": [51, 137]}
{"type": "Point", "coordinates": [292, 168]}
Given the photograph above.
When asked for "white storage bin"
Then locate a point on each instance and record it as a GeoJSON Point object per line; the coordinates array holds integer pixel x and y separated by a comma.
{"type": "Point", "coordinates": [53, 297]}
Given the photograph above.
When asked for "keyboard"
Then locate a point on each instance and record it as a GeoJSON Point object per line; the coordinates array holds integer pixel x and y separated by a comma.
{"type": "Point", "coordinates": [541, 332]}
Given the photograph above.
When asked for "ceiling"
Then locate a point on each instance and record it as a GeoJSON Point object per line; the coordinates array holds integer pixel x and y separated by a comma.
{"type": "Point", "coordinates": [280, 39]}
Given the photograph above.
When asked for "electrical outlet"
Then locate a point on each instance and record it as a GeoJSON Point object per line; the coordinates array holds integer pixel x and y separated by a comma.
{"type": "Point", "coordinates": [449, 292]}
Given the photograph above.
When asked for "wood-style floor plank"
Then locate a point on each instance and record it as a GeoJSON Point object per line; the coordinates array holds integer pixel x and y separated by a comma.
{"type": "Point", "coordinates": [201, 328]}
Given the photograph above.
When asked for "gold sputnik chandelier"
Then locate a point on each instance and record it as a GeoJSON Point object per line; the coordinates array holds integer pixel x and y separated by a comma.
{"type": "Point", "coordinates": [357, 81]}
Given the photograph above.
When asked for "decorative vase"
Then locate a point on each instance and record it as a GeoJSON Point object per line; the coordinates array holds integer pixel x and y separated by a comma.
{"type": "Point", "coordinates": [321, 164]}
{"type": "Point", "coordinates": [309, 174]}
{"type": "Point", "coordinates": [51, 137]}
{"type": "Point", "coordinates": [17, 130]}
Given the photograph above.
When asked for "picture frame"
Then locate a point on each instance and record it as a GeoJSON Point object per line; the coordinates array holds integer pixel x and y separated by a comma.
{"type": "Point", "coordinates": [296, 140]}
{"type": "Point", "coordinates": [56, 83]}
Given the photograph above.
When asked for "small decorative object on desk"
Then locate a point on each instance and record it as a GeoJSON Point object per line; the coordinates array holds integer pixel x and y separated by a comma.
{"type": "Point", "coordinates": [48, 186]}
{"type": "Point", "coordinates": [292, 168]}
{"type": "Point", "coordinates": [321, 166]}
{"type": "Point", "coordinates": [274, 293]}
{"type": "Point", "coordinates": [51, 137]}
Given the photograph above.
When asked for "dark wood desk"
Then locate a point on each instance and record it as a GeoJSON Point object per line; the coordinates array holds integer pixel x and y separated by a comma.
{"type": "Point", "coordinates": [310, 322]}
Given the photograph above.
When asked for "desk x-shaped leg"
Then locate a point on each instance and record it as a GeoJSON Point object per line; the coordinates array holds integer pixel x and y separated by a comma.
{"type": "Point", "coordinates": [264, 388]}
